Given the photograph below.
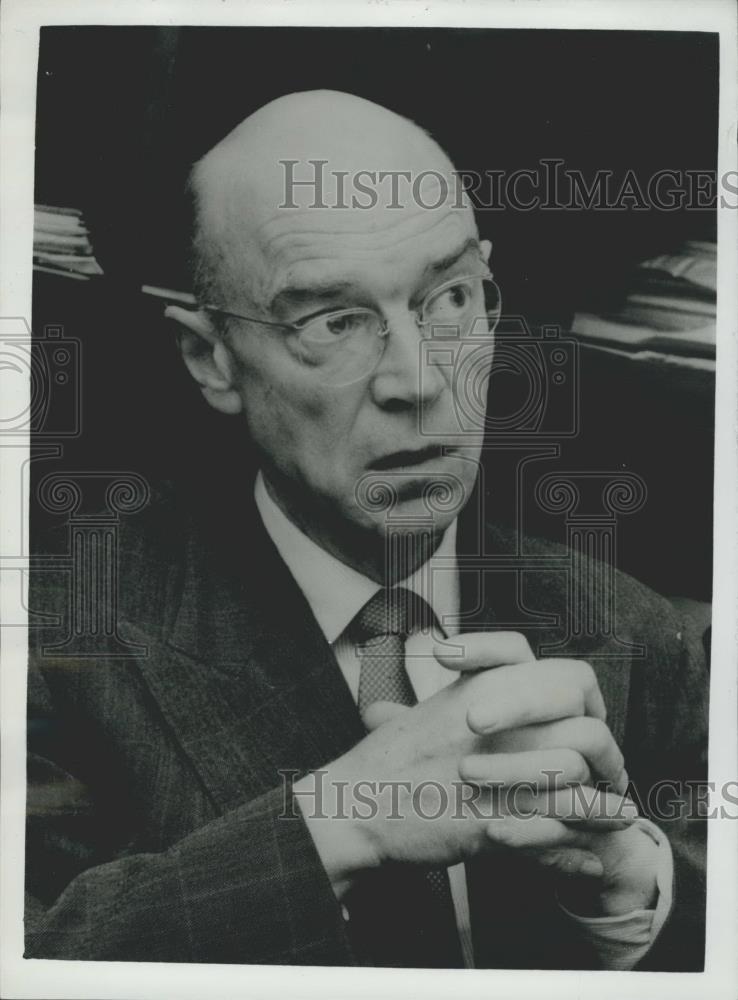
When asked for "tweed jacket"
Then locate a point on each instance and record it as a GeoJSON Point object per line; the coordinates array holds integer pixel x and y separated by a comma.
{"type": "Point", "coordinates": [159, 826]}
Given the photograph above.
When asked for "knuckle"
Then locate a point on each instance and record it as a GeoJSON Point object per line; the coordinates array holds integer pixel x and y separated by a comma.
{"type": "Point", "coordinates": [516, 637]}
{"type": "Point", "coordinates": [598, 734]}
{"type": "Point", "coordinates": [523, 645]}
{"type": "Point", "coordinates": [576, 766]}
{"type": "Point", "coordinates": [587, 675]}
{"type": "Point", "coordinates": [603, 745]}
{"type": "Point", "coordinates": [578, 733]}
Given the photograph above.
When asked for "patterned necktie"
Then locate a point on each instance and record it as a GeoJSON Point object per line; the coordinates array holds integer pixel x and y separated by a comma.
{"type": "Point", "coordinates": [380, 630]}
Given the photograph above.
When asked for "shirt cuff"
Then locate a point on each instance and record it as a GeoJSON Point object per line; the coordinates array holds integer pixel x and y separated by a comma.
{"type": "Point", "coordinates": [622, 941]}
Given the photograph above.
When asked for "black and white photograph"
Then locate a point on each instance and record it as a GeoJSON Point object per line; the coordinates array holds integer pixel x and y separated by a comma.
{"type": "Point", "coordinates": [369, 472]}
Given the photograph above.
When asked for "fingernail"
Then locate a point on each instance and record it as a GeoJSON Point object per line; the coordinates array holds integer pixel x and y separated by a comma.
{"type": "Point", "coordinates": [485, 730]}
{"type": "Point", "coordinates": [451, 656]}
{"type": "Point", "coordinates": [482, 727]}
{"type": "Point", "coordinates": [592, 867]}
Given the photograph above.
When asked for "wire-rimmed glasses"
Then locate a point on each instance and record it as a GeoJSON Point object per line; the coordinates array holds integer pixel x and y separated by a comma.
{"type": "Point", "coordinates": [347, 344]}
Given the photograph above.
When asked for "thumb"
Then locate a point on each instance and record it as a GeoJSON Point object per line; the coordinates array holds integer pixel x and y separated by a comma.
{"type": "Point", "coordinates": [570, 861]}
{"type": "Point", "coordinates": [379, 712]}
{"type": "Point", "coordinates": [482, 650]}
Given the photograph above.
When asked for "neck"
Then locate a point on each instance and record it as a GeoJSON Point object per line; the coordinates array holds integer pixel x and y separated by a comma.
{"type": "Point", "coordinates": [387, 557]}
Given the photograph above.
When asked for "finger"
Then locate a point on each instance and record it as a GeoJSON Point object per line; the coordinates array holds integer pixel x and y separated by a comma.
{"type": "Point", "coordinates": [482, 650]}
{"type": "Point", "coordinates": [589, 738]}
{"type": "Point", "coordinates": [587, 807]}
{"type": "Point", "coordinates": [572, 861]}
{"type": "Point", "coordinates": [379, 712]}
{"type": "Point", "coordinates": [533, 833]}
{"type": "Point", "coordinates": [548, 769]}
{"type": "Point", "coordinates": [524, 694]}
{"type": "Point", "coordinates": [594, 741]}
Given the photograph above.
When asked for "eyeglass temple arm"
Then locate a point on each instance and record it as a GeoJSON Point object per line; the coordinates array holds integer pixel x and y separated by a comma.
{"type": "Point", "coordinates": [250, 319]}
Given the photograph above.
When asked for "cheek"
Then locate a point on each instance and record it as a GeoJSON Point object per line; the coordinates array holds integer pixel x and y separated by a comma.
{"type": "Point", "coordinates": [298, 424]}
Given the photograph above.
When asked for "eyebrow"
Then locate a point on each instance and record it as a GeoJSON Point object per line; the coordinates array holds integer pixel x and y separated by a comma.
{"type": "Point", "coordinates": [322, 291]}
{"type": "Point", "coordinates": [448, 261]}
{"type": "Point", "coordinates": [318, 291]}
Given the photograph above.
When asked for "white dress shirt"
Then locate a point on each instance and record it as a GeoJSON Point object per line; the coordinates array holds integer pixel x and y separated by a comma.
{"type": "Point", "coordinates": [336, 593]}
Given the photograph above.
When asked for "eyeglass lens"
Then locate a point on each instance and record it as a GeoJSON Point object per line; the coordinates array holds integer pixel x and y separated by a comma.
{"type": "Point", "coordinates": [347, 345]}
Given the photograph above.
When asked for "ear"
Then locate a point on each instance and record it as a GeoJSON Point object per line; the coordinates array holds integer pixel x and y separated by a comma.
{"type": "Point", "coordinates": [206, 357]}
{"type": "Point", "coordinates": [485, 247]}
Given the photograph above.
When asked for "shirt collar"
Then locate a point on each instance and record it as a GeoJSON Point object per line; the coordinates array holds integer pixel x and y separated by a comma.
{"type": "Point", "coordinates": [335, 592]}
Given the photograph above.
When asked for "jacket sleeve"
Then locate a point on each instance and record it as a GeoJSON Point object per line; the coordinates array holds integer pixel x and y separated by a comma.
{"type": "Point", "coordinates": [666, 753]}
{"type": "Point", "coordinates": [247, 887]}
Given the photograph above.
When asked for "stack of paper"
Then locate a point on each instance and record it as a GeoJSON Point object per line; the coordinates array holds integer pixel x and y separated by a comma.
{"type": "Point", "coordinates": [61, 243]}
{"type": "Point", "coordinates": [670, 308]}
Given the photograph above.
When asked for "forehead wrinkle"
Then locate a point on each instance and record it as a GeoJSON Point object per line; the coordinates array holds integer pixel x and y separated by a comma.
{"type": "Point", "coordinates": [318, 271]}
{"type": "Point", "coordinates": [279, 238]}
{"type": "Point", "coordinates": [310, 259]}
{"type": "Point", "coordinates": [253, 252]}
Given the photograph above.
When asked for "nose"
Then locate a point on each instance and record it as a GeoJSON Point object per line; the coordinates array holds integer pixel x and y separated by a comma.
{"type": "Point", "coordinates": [404, 379]}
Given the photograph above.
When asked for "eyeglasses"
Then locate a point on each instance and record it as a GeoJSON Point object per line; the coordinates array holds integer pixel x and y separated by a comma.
{"type": "Point", "coordinates": [346, 345]}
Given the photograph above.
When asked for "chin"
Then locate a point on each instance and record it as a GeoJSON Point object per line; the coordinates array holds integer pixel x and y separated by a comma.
{"type": "Point", "coordinates": [413, 517]}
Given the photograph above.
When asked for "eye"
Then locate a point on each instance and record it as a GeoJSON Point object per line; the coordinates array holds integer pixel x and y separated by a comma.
{"type": "Point", "coordinates": [336, 326]}
{"type": "Point", "coordinates": [451, 301]}
{"type": "Point", "coordinates": [339, 326]}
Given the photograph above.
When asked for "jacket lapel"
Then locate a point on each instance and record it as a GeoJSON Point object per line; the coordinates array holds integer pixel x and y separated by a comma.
{"type": "Point", "coordinates": [243, 673]}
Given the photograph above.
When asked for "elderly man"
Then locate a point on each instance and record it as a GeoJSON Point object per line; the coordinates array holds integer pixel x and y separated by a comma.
{"type": "Point", "coordinates": [331, 750]}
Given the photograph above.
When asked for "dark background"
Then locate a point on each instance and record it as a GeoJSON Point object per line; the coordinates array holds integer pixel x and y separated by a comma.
{"type": "Point", "coordinates": [123, 112]}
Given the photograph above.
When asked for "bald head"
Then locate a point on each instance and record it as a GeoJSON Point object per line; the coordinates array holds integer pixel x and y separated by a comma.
{"type": "Point", "coordinates": [349, 130]}
{"type": "Point", "coordinates": [304, 163]}
{"type": "Point", "coordinates": [339, 225]}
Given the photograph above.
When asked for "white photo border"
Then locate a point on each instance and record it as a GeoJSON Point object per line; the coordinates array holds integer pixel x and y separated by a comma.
{"type": "Point", "coordinates": [20, 21]}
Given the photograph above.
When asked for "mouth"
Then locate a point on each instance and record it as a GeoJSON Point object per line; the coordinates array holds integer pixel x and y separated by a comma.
{"type": "Point", "coordinates": [409, 458]}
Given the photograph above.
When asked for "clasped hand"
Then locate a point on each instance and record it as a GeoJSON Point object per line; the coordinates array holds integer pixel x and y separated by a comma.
{"type": "Point", "coordinates": [506, 757]}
